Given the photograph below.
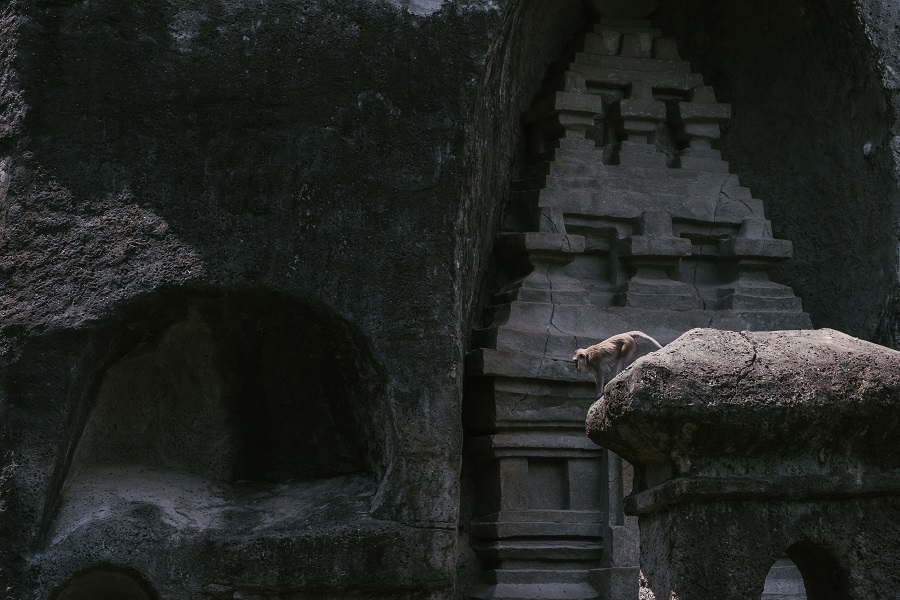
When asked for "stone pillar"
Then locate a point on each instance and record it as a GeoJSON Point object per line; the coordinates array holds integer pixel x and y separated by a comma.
{"type": "Point", "coordinates": [747, 446]}
{"type": "Point", "coordinates": [652, 253]}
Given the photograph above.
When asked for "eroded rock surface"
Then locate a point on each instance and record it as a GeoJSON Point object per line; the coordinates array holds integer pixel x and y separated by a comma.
{"type": "Point", "coordinates": [748, 446]}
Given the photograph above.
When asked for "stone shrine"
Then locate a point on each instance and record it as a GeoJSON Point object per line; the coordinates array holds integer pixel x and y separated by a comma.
{"type": "Point", "coordinates": [626, 217]}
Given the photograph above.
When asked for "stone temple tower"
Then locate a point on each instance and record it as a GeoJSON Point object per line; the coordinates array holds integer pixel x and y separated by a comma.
{"type": "Point", "coordinates": [626, 217]}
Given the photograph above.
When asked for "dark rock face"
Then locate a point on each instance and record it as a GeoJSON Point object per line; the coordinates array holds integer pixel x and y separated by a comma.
{"type": "Point", "coordinates": [242, 246]}
{"type": "Point", "coordinates": [230, 306]}
{"type": "Point", "coordinates": [749, 445]}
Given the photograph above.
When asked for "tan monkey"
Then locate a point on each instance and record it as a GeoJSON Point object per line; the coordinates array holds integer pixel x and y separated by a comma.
{"type": "Point", "coordinates": [618, 351]}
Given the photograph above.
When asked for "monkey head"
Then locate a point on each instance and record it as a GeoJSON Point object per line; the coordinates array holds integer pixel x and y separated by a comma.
{"type": "Point", "coordinates": [580, 359]}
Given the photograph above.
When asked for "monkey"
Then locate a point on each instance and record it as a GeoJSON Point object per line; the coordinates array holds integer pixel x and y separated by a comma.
{"type": "Point", "coordinates": [619, 350]}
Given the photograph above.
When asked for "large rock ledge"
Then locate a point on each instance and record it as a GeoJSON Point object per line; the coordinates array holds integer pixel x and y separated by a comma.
{"type": "Point", "coordinates": [813, 403]}
{"type": "Point", "coordinates": [749, 446]}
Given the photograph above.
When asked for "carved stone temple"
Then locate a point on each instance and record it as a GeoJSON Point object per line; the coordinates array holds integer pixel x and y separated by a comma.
{"type": "Point", "coordinates": [625, 218]}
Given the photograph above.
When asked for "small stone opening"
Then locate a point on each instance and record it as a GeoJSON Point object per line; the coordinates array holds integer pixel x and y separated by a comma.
{"type": "Point", "coordinates": [784, 582]}
{"type": "Point", "coordinates": [105, 583]}
{"type": "Point", "coordinates": [823, 577]}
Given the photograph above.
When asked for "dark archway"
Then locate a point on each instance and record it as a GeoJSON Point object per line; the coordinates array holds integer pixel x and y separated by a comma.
{"type": "Point", "coordinates": [784, 582]}
{"type": "Point", "coordinates": [823, 576]}
{"type": "Point", "coordinates": [105, 582]}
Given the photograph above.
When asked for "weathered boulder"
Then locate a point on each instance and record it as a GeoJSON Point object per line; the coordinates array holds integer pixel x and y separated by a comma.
{"type": "Point", "coordinates": [817, 395]}
{"type": "Point", "coordinates": [747, 446]}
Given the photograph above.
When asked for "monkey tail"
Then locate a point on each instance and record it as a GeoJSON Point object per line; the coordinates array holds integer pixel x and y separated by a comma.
{"type": "Point", "coordinates": [645, 337]}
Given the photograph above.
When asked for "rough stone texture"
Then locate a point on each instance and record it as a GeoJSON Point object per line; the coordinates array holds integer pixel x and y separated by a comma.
{"type": "Point", "coordinates": [347, 162]}
{"type": "Point", "coordinates": [227, 245]}
{"type": "Point", "coordinates": [748, 445]}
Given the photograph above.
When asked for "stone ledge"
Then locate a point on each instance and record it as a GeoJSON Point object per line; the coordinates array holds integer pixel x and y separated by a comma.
{"type": "Point", "coordinates": [787, 487]}
{"type": "Point", "coordinates": [713, 399]}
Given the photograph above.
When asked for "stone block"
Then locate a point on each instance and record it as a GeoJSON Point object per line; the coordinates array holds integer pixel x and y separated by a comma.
{"type": "Point", "coordinates": [637, 44]}
{"type": "Point", "coordinates": [756, 247]}
{"type": "Point", "coordinates": [641, 110]}
{"type": "Point", "coordinates": [618, 77]}
{"type": "Point", "coordinates": [678, 299]}
{"type": "Point", "coordinates": [703, 164]}
{"type": "Point", "coordinates": [665, 48]}
{"type": "Point", "coordinates": [628, 63]}
{"type": "Point", "coordinates": [701, 420]}
{"type": "Point", "coordinates": [694, 112]}
{"type": "Point", "coordinates": [651, 245]}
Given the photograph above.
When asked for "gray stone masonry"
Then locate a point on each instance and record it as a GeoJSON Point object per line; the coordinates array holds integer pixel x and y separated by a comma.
{"type": "Point", "coordinates": [748, 446]}
{"type": "Point", "coordinates": [626, 218]}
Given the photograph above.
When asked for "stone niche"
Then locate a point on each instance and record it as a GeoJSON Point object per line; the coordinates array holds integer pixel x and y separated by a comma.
{"type": "Point", "coordinates": [105, 582]}
{"type": "Point", "coordinates": [218, 429]}
{"type": "Point", "coordinates": [238, 389]}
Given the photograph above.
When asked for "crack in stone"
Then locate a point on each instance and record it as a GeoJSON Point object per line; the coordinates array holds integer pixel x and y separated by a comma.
{"type": "Point", "coordinates": [519, 401]}
{"type": "Point", "coordinates": [749, 367]}
{"type": "Point", "coordinates": [747, 206]}
{"type": "Point", "coordinates": [549, 324]}
{"type": "Point", "coordinates": [704, 243]}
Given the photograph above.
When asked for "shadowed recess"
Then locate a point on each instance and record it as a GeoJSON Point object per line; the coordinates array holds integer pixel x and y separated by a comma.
{"type": "Point", "coordinates": [248, 412]}
{"type": "Point", "coordinates": [105, 583]}
{"type": "Point", "coordinates": [823, 577]}
{"type": "Point", "coordinates": [248, 386]}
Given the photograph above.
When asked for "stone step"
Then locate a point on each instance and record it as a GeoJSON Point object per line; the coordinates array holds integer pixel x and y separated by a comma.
{"type": "Point", "coordinates": [485, 361]}
{"type": "Point", "coordinates": [535, 530]}
{"type": "Point", "coordinates": [590, 169]}
{"type": "Point", "coordinates": [592, 157]}
{"type": "Point", "coordinates": [625, 63]}
{"type": "Point", "coordinates": [519, 404]}
{"type": "Point", "coordinates": [560, 102]}
{"type": "Point", "coordinates": [630, 204]}
{"type": "Point", "coordinates": [710, 187]}
{"type": "Point", "coordinates": [594, 74]}
{"type": "Point", "coordinates": [561, 550]}
{"type": "Point", "coordinates": [537, 575]}
{"type": "Point", "coordinates": [555, 296]}
{"type": "Point", "coordinates": [538, 591]}
{"type": "Point", "coordinates": [710, 165]}
{"type": "Point", "coordinates": [742, 300]}
{"type": "Point", "coordinates": [550, 343]}
{"type": "Point", "coordinates": [530, 443]}
{"type": "Point", "coordinates": [591, 324]}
